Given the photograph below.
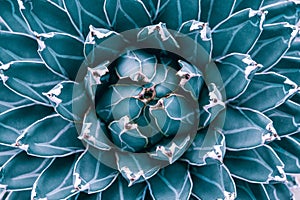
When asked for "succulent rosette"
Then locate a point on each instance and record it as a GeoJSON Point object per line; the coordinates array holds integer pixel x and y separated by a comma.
{"type": "Point", "coordinates": [159, 99]}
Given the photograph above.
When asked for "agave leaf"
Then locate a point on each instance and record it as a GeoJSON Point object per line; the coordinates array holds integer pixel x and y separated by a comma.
{"type": "Point", "coordinates": [246, 128]}
{"type": "Point", "coordinates": [127, 135]}
{"type": "Point", "coordinates": [94, 131]}
{"type": "Point", "coordinates": [243, 4]}
{"type": "Point", "coordinates": [57, 3]}
{"type": "Point", "coordinates": [119, 100]}
{"type": "Point", "coordinates": [289, 63]}
{"type": "Point", "coordinates": [208, 147]}
{"type": "Point", "coordinates": [138, 167]}
{"type": "Point", "coordinates": [69, 99]}
{"type": "Point", "coordinates": [13, 195]}
{"type": "Point", "coordinates": [287, 114]}
{"type": "Point", "coordinates": [259, 165]}
{"type": "Point", "coordinates": [284, 11]}
{"type": "Point", "coordinates": [120, 190]}
{"type": "Point", "coordinates": [6, 153]}
{"type": "Point", "coordinates": [62, 53]}
{"type": "Point", "coordinates": [289, 67]}
{"type": "Point", "coordinates": [99, 48]}
{"type": "Point", "coordinates": [157, 37]}
{"type": "Point", "coordinates": [236, 70]}
{"type": "Point", "coordinates": [56, 182]}
{"type": "Point", "coordinates": [194, 38]}
{"type": "Point", "coordinates": [120, 16]}
{"type": "Point", "coordinates": [210, 104]}
{"type": "Point", "coordinates": [12, 18]}
{"type": "Point", "coordinates": [266, 91]}
{"type": "Point", "coordinates": [84, 14]}
{"type": "Point", "coordinates": [41, 23]}
{"type": "Point", "coordinates": [174, 13]}
{"type": "Point", "coordinates": [91, 175]}
{"type": "Point", "coordinates": [14, 121]}
{"type": "Point", "coordinates": [171, 150]}
{"type": "Point", "coordinates": [29, 79]}
{"type": "Point", "coordinates": [215, 11]}
{"type": "Point", "coordinates": [9, 99]}
{"type": "Point", "coordinates": [172, 182]}
{"type": "Point", "coordinates": [17, 46]}
{"type": "Point", "coordinates": [278, 191]}
{"type": "Point", "coordinates": [288, 150]}
{"type": "Point", "coordinates": [269, 2]}
{"type": "Point", "coordinates": [85, 196]}
{"type": "Point", "coordinates": [229, 34]}
{"type": "Point", "coordinates": [212, 182]}
{"type": "Point", "coordinates": [175, 114]}
{"type": "Point", "coordinates": [274, 40]}
{"type": "Point", "coordinates": [142, 66]}
{"type": "Point", "coordinates": [246, 190]}
{"type": "Point", "coordinates": [60, 140]}
{"type": "Point", "coordinates": [191, 78]}
{"type": "Point", "coordinates": [21, 171]}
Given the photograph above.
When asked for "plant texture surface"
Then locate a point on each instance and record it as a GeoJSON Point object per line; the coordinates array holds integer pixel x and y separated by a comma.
{"type": "Point", "coordinates": [149, 99]}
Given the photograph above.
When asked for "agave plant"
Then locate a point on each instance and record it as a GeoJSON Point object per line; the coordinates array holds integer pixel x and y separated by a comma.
{"type": "Point", "coordinates": [149, 99]}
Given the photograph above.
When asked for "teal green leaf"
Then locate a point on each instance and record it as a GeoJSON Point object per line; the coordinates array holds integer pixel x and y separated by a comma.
{"type": "Point", "coordinates": [284, 11]}
{"type": "Point", "coordinates": [210, 104]}
{"type": "Point", "coordinates": [175, 114]}
{"type": "Point", "coordinates": [99, 48]}
{"type": "Point", "coordinates": [9, 99]}
{"type": "Point", "coordinates": [278, 191]}
{"type": "Point", "coordinates": [287, 114]}
{"type": "Point", "coordinates": [191, 78]}
{"type": "Point", "coordinates": [21, 171]}
{"type": "Point", "coordinates": [250, 191]}
{"type": "Point", "coordinates": [85, 196]}
{"type": "Point", "coordinates": [62, 53]}
{"type": "Point", "coordinates": [94, 131]}
{"type": "Point", "coordinates": [194, 39]}
{"type": "Point", "coordinates": [60, 138]}
{"type": "Point", "coordinates": [157, 36]}
{"type": "Point", "coordinates": [17, 46]}
{"type": "Point", "coordinates": [289, 67]}
{"type": "Point", "coordinates": [69, 99]}
{"type": "Point", "coordinates": [262, 87]}
{"type": "Point", "coordinates": [236, 70]}
{"type": "Point", "coordinates": [215, 11]}
{"type": "Point", "coordinates": [12, 17]}
{"type": "Point", "coordinates": [171, 149]}
{"type": "Point", "coordinates": [243, 4]}
{"type": "Point", "coordinates": [41, 23]}
{"type": "Point", "coordinates": [172, 182]}
{"type": "Point", "coordinates": [56, 182]}
{"type": "Point", "coordinates": [6, 153]}
{"type": "Point", "coordinates": [259, 165]}
{"type": "Point", "coordinates": [15, 195]}
{"type": "Point", "coordinates": [14, 121]}
{"type": "Point", "coordinates": [91, 175]}
{"type": "Point", "coordinates": [121, 18]}
{"type": "Point", "coordinates": [136, 168]}
{"type": "Point", "coordinates": [212, 182]}
{"type": "Point", "coordinates": [174, 13]}
{"type": "Point", "coordinates": [86, 13]}
{"type": "Point", "coordinates": [126, 135]}
{"type": "Point", "coordinates": [120, 190]}
{"type": "Point", "coordinates": [252, 130]}
{"type": "Point", "coordinates": [274, 40]}
{"type": "Point", "coordinates": [118, 101]}
{"type": "Point", "coordinates": [289, 63]}
{"type": "Point", "coordinates": [288, 150]}
{"type": "Point", "coordinates": [29, 79]}
{"type": "Point", "coordinates": [245, 25]}
{"type": "Point", "coordinates": [208, 147]}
